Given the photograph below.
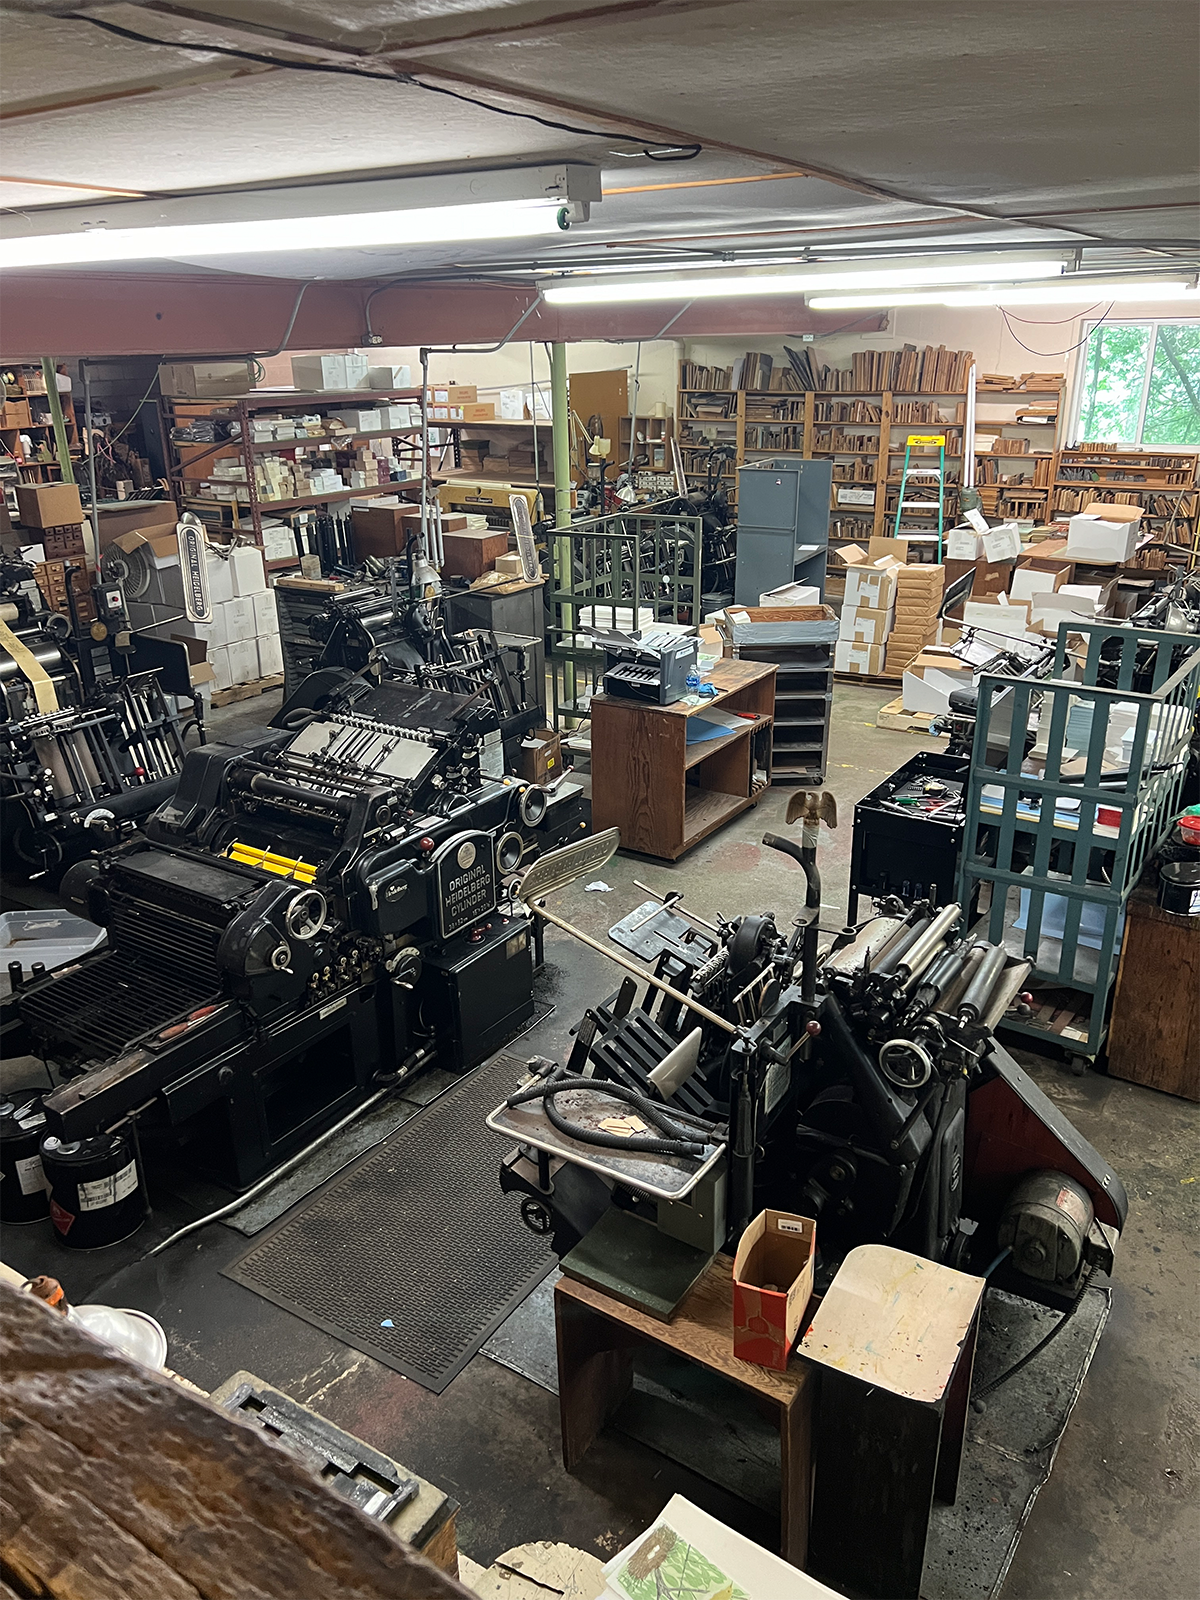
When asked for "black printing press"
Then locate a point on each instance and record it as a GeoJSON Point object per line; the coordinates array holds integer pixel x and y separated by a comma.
{"type": "Point", "coordinates": [735, 1069]}
{"type": "Point", "coordinates": [314, 913]}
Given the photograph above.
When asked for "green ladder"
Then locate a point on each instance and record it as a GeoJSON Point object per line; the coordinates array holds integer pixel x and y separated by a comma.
{"type": "Point", "coordinates": [938, 473]}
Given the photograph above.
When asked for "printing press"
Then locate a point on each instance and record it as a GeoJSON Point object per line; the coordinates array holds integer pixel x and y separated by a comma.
{"type": "Point", "coordinates": [90, 744]}
{"type": "Point", "coordinates": [314, 913]}
{"type": "Point", "coordinates": [736, 1069]}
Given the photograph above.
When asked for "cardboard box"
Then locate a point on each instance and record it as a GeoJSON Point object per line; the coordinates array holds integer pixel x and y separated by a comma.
{"type": "Point", "coordinates": [850, 555]}
{"type": "Point", "coordinates": [361, 419]}
{"type": "Point", "coordinates": [1103, 533]}
{"type": "Point", "coordinates": [772, 1285]}
{"type": "Point", "coordinates": [15, 414]}
{"type": "Point", "coordinates": [791, 594]}
{"type": "Point", "coordinates": [237, 616]}
{"type": "Point", "coordinates": [48, 505]}
{"type": "Point", "coordinates": [381, 530]}
{"type": "Point", "coordinates": [1002, 543]}
{"type": "Point", "coordinates": [246, 571]}
{"type": "Point", "coordinates": [243, 660]}
{"type": "Point", "coordinates": [539, 756]}
{"type": "Point", "coordinates": [871, 587]}
{"type": "Point", "coordinates": [218, 660]}
{"type": "Point", "coordinates": [930, 680]}
{"type": "Point", "coordinates": [452, 394]}
{"type": "Point", "coordinates": [1048, 608]}
{"type": "Point", "coordinates": [962, 544]}
{"type": "Point", "coordinates": [864, 626]}
{"type": "Point", "coordinates": [996, 617]}
{"type": "Point", "coordinates": [205, 380]}
{"type": "Point", "coordinates": [990, 578]}
{"type": "Point", "coordinates": [880, 549]}
{"type": "Point", "coordinates": [270, 656]}
{"type": "Point", "coordinates": [266, 615]}
{"type": "Point", "coordinates": [1030, 581]}
{"type": "Point", "coordinates": [470, 554]}
{"type": "Point", "coordinates": [510, 564]}
{"type": "Point", "coordinates": [312, 374]}
{"type": "Point", "coordinates": [119, 519]}
{"type": "Point", "coordinates": [864, 659]}
{"type": "Point", "coordinates": [479, 411]}
{"type": "Point", "coordinates": [389, 378]}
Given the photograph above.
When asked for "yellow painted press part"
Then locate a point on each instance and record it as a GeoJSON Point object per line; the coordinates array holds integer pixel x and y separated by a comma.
{"type": "Point", "coordinates": [249, 855]}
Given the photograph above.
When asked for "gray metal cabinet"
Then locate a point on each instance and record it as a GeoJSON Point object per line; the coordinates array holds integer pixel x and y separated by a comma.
{"type": "Point", "coordinates": [783, 525]}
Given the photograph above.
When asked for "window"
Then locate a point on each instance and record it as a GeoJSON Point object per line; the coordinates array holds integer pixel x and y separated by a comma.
{"type": "Point", "coordinates": [1139, 383]}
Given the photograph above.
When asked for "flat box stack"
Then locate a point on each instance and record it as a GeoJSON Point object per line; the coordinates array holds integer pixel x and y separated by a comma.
{"type": "Point", "coordinates": [918, 596]}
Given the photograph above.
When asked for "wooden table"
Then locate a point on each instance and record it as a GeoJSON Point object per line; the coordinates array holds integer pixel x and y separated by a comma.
{"type": "Point", "coordinates": [664, 794]}
{"type": "Point", "coordinates": [596, 1339]}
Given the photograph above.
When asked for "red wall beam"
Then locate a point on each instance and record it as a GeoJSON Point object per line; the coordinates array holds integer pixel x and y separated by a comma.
{"type": "Point", "coordinates": [72, 314]}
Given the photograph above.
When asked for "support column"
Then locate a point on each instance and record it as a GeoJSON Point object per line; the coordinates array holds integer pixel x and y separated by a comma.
{"type": "Point", "coordinates": [560, 417]}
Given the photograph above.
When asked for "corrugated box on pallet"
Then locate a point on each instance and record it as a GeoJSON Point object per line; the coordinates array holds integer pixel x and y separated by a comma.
{"type": "Point", "coordinates": [864, 626]}
{"type": "Point", "coordinates": [864, 659]}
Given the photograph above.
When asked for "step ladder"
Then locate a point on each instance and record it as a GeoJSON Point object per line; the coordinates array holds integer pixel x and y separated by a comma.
{"type": "Point", "coordinates": [916, 441]}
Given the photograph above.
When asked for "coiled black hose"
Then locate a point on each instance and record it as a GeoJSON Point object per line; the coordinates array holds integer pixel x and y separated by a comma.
{"type": "Point", "coordinates": [676, 1142]}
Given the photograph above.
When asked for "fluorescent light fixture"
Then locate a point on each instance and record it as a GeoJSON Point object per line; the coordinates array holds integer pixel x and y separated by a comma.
{"type": "Point", "coordinates": [515, 203]}
{"type": "Point", "coordinates": [1076, 292]}
{"type": "Point", "coordinates": [802, 281]}
{"type": "Point", "coordinates": [498, 219]}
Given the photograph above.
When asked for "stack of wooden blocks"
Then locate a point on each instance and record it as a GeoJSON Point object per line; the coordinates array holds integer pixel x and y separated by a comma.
{"type": "Point", "coordinates": [918, 596]}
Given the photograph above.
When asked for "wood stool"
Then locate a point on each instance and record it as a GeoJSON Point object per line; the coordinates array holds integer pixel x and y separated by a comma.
{"type": "Point", "coordinates": [895, 1338]}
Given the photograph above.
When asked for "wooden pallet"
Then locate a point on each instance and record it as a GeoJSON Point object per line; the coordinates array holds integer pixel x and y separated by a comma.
{"type": "Point", "coordinates": [893, 715]}
{"type": "Point", "coordinates": [879, 682]}
{"type": "Point", "coordinates": [247, 691]}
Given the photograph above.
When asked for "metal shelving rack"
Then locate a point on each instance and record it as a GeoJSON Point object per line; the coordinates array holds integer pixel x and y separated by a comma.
{"type": "Point", "coordinates": [625, 562]}
{"type": "Point", "coordinates": [1075, 848]}
{"type": "Point", "coordinates": [241, 409]}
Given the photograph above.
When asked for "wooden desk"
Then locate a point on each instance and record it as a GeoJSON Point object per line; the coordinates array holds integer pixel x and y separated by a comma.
{"type": "Point", "coordinates": [597, 1336]}
{"type": "Point", "coordinates": [664, 794]}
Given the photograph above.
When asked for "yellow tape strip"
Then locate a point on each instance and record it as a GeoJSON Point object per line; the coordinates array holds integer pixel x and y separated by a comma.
{"type": "Point", "coordinates": [43, 687]}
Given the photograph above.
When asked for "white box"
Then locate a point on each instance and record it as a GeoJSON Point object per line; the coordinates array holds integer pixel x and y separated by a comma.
{"type": "Point", "coordinates": [279, 545]}
{"type": "Point", "coordinates": [1011, 621]}
{"type": "Point", "coordinates": [238, 617]}
{"type": "Point", "coordinates": [247, 571]}
{"type": "Point", "coordinates": [962, 544]}
{"type": "Point", "coordinates": [270, 656]}
{"type": "Point", "coordinates": [1030, 581]}
{"type": "Point", "coordinates": [213, 633]}
{"type": "Point", "coordinates": [929, 689]}
{"type": "Point", "coordinates": [243, 660]}
{"type": "Point", "coordinates": [872, 587]}
{"type": "Point", "coordinates": [389, 377]}
{"type": "Point", "coordinates": [313, 373]}
{"type": "Point", "coordinates": [361, 420]}
{"type": "Point", "coordinates": [791, 594]}
{"type": "Point", "coordinates": [266, 616]}
{"type": "Point", "coordinates": [220, 579]}
{"type": "Point", "coordinates": [218, 660]}
{"type": "Point", "coordinates": [1002, 543]}
{"type": "Point", "coordinates": [866, 659]}
{"type": "Point", "coordinates": [1048, 608]}
{"type": "Point", "coordinates": [511, 405]}
{"type": "Point", "coordinates": [357, 367]}
{"type": "Point", "coordinates": [1091, 538]}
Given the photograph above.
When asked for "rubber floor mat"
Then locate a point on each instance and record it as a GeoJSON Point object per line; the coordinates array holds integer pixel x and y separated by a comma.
{"type": "Point", "coordinates": [412, 1255]}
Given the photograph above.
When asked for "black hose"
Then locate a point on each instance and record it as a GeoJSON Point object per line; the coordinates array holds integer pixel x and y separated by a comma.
{"type": "Point", "coordinates": [675, 1143]}
{"type": "Point", "coordinates": [990, 1388]}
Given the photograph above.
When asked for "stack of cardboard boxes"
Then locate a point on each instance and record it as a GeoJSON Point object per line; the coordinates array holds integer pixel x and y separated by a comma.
{"type": "Point", "coordinates": [868, 611]}
{"type": "Point", "coordinates": [918, 596]}
{"type": "Point", "coordinates": [242, 641]}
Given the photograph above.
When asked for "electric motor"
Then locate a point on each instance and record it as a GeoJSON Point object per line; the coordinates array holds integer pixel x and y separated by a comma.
{"type": "Point", "coordinates": [1045, 1221]}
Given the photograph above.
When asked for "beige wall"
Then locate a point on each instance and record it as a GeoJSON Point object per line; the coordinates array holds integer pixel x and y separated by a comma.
{"type": "Point", "coordinates": [992, 337]}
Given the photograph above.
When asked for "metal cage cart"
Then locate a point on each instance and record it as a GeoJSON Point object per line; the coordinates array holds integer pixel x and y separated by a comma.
{"type": "Point", "coordinates": [1059, 832]}
{"type": "Point", "coordinates": [627, 571]}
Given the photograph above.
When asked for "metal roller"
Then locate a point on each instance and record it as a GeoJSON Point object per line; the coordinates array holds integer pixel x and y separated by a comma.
{"type": "Point", "coordinates": [922, 951]}
{"type": "Point", "coordinates": [975, 1001]}
{"type": "Point", "coordinates": [868, 944]}
{"type": "Point", "coordinates": [891, 958]}
{"type": "Point", "coordinates": [959, 987]}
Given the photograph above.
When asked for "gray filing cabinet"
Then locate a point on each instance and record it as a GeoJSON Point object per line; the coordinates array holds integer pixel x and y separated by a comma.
{"type": "Point", "coordinates": [783, 525]}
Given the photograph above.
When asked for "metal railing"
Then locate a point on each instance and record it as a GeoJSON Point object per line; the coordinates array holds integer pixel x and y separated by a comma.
{"type": "Point", "coordinates": [627, 570]}
{"type": "Point", "coordinates": [1066, 830]}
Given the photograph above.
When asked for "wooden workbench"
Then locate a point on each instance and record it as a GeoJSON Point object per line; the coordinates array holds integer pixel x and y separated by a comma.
{"type": "Point", "coordinates": [664, 794]}
{"type": "Point", "coordinates": [596, 1338]}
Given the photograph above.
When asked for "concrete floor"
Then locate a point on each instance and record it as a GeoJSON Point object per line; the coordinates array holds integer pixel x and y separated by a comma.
{"type": "Point", "coordinates": [1118, 1517]}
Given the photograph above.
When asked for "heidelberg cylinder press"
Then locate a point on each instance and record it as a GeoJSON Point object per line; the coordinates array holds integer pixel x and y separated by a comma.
{"type": "Point", "coordinates": [315, 913]}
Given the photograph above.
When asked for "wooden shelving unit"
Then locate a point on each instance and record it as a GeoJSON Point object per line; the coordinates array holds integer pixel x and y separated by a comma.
{"type": "Point", "coordinates": [997, 470]}
{"type": "Point", "coordinates": [20, 398]}
{"type": "Point", "coordinates": [1164, 482]}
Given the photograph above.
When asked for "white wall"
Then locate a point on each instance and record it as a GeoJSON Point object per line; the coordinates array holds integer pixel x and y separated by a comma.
{"type": "Point", "coordinates": [995, 340]}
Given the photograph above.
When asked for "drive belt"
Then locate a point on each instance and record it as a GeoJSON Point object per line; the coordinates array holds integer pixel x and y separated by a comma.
{"type": "Point", "coordinates": [43, 688]}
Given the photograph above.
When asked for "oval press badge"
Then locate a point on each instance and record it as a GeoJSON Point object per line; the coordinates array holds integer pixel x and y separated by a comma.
{"type": "Point", "coordinates": [465, 874]}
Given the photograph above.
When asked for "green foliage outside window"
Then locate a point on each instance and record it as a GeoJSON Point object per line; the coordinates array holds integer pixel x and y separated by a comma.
{"type": "Point", "coordinates": [1125, 361]}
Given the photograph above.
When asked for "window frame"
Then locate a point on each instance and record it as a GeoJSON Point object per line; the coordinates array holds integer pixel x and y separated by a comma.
{"type": "Point", "coordinates": [1079, 380]}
